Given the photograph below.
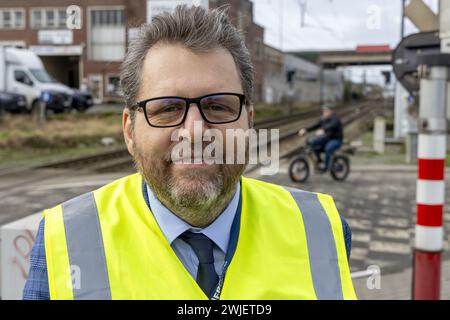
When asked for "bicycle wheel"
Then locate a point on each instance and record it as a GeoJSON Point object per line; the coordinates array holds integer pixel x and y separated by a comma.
{"type": "Point", "coordinates": [340, 168]}
{"type": "Point", "coordinates": [299, 169]}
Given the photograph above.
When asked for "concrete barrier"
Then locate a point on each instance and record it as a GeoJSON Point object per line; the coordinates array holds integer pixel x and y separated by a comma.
{"type": "Point", "coordinates": [17, 240]}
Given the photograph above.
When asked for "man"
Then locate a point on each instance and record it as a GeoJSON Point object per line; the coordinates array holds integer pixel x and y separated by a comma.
{"type": "Point", "coordinates": [329, 136]}
{"type": "Point", "coordinates": [183, 230]}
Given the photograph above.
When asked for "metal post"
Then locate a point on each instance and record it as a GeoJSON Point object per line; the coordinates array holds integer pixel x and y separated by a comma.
{"type": "Point", "coordinates": [321, 83]}
{"type": "Point", "coordinates": [280, 24]}
{"type": "Point", "coordinates": [402, 21]}
{"type": "Point", "coordinates": [398, 88]}
{"type": "Point", "coordinates": [430, 196]}
{"type": "Point", "coordinates": [41, 114]}
{"type": "Point", "coordinates": [41, 110]}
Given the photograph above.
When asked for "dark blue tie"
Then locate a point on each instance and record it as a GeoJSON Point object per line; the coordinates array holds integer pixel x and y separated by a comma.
{"type": "Point", "coordinates": [203, 247]}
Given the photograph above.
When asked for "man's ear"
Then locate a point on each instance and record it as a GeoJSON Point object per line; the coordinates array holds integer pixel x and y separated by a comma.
{"type": "Point", "coordinates": [127, 126]}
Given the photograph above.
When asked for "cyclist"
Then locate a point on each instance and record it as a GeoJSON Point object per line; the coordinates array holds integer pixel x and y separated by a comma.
{"type": "Point", "coordinates": [329, 136]}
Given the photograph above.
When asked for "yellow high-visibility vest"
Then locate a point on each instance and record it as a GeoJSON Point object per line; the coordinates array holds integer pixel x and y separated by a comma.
{"type": "Point", "coordinates": [106, 244]}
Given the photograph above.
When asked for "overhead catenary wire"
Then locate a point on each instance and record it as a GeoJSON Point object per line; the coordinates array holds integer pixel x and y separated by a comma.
{"type": "Point", "coordinates": [321, 25]}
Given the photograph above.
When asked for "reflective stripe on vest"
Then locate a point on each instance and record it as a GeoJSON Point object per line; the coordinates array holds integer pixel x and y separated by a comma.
{"type": "Point", "coordinates": [83, 232]}
{"type": "Point", "coordinates": [84, 244]}
{"type": "Point", "coordinates": [325, 272]}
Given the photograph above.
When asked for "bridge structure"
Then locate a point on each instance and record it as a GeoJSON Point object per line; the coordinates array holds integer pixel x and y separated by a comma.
{"type": "Point", "coordinates": [361, 55]}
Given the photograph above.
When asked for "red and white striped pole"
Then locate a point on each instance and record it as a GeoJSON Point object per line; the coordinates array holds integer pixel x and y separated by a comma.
{"type": "Point", "coordinates": [430, 195]}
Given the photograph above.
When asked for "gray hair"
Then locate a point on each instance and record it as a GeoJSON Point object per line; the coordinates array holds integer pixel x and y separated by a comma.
{"type": "Point", "coordinates": [194, 27]}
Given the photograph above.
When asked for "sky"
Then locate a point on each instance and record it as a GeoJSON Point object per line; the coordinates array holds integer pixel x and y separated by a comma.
{"type": "Point", "coordinates": [333, 25]}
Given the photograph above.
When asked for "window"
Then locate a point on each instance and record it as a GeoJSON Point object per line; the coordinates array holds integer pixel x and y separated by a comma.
{"type": "Point", "coordinates": [106, 34]}
{"type": "Point", "coordinates": [62, 18]}
{"type": "Point", "coordinates": [18, 19]}
{"type": "Point", "coordinates": [48, 18]}
{"type": "Point", "coordinates": [119, 17]}
{"type": "Point", "coordinates": [22, 77]}
{"type": "Point", "coordinates": [259, 49]}
{"type": "Point", "coordinates": [42, 76]}
{"type": "Point", "coordinates": [12, 18]}
{"type": "Point", "coordinates": [7, 19]}
{"type": "Point", "coordinates": [36, 19]}
{"type": "Point", "coordinates": [106, 17]}
{"type": "Point", "coordinates": [112, 17]}
{"type": "Point", "coordinates": [113, 85]}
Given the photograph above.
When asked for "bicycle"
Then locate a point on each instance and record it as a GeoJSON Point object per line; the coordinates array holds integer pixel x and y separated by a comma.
{"type": "Point", "coordinates": [301, 164]}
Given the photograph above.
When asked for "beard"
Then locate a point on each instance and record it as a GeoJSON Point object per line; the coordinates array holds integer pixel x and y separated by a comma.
{"type": "Point", "coordinates": [196, 195]}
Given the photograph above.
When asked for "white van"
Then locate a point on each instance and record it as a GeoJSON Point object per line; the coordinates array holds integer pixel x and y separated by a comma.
{"type": "Point", "coordinates": [22, 72]}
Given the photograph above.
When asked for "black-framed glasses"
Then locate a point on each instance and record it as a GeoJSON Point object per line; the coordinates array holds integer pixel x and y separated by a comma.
{"type": "Point", "coordinates": [171, 111]}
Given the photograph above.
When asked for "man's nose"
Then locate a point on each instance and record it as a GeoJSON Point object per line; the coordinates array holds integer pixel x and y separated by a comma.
{"type": "Point", "coordinates": [194, 116]}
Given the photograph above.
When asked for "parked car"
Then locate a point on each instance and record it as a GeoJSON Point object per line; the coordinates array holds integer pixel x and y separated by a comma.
{"type": "Point", "coordinates": [13, 102]}
{"type": "Point", "coordinates": [57, 101]}
{"type": "Point", "coordinates": [81, 100]}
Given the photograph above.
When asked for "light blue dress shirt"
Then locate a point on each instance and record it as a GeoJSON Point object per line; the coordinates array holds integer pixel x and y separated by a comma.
{"type": "Point", "coordinates": [218, 231]}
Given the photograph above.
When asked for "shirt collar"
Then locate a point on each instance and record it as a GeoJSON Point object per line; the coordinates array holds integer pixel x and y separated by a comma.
{"type": "Point", "coordinates": [172, 226]}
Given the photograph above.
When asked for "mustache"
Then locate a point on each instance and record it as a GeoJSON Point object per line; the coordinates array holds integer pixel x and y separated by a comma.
{"type": "Point", "coordinates": [167, 156]}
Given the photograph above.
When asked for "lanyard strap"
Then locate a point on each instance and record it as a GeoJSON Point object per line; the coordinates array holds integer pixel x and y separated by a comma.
{"type": "Point", "coordinates": [231, 249]}
{"type": "Point", "coordinates": [232, 242]}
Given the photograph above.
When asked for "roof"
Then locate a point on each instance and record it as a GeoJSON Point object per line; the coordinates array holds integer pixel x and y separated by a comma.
{"type": "Point", "coordinates": [372, 48]}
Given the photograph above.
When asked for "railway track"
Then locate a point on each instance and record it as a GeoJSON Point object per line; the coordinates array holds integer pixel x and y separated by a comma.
{"type": "Point", "coordinates": [119, 159]}
{"type": "Point", "coordinates": [290, 142]}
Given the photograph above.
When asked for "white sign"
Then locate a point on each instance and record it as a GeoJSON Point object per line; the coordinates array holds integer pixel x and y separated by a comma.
{"type": "Point", "coordinates": [17, 239]}
{"type": "Point", "coordinates": [57, 50]}
{"type": "Point", "coordinates": [155, 7]}
{"type": "Point", "coordinates": [55, 36]}
{"type": "Point", "coordinates": [13, 43]}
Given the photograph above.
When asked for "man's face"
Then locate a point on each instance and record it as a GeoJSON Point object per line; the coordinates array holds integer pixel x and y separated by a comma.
{"type": "Point", "coordinates": [174, 70]}
{"type": "Point", "coordinates": [327, 112]}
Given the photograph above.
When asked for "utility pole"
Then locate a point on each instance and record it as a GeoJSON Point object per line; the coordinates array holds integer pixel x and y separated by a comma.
{"type": "Point", "coordinates": [321, 84]}
{"type": "Point", "coordinates": [302, 4]}
{"type": "Point", "coordinates": [399, 102]}
{"type": "Point", "coordinates": [430, 196]}
{"type": "Point", "coordinates": [280, 25]}
{"type": "Point", "coordinates": [364, 76]}
{"type": "Point", "coordinates": [402, 22]}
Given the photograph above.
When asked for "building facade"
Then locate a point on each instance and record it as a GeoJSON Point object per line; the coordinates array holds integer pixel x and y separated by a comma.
{"type": "Point", "coordinates": [274, 83]}
{"type": "Point", "coordinates": [89, 54]}
{"type": "Point", "coordinates": [241, 15]}
{"type": "Point", "coordinates": [289, 78]}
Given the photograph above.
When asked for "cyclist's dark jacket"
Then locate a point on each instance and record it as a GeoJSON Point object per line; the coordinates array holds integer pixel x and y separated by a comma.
{"type": "Point", "coordinates": [331, 125]}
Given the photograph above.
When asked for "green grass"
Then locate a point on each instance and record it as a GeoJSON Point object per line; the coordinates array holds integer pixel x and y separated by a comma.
{"type": "Point", "coordinates": [394, 155]}
{"type": "Point", "coordinates": [447, 160]}
{"type": "Point", "coordinates": [22, 142]}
